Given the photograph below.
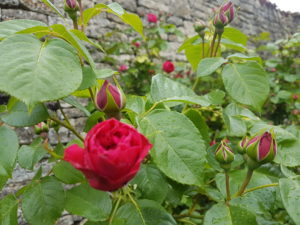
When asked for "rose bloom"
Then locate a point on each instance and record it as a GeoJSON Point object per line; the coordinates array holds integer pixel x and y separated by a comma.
{"type": "Point", "coordinates": [112, 154]}
{"type": "Point", "coordinates": [136, 44]}
{"type": "Point", "coordinates": [168, 67]}
{"type": "Point", "coordinates": [152, 18]}
{"type": "Point", "coordinates": [123, 68]}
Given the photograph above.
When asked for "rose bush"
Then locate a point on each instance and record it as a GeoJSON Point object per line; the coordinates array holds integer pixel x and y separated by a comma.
{"type": "Point", "coordinates": [112, 154]}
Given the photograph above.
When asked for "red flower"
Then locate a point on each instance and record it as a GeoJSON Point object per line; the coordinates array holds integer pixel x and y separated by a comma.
{"type": "Point", "coordinates": [123, 68]}
{"type": "Point", "coordinates": [112, 154]}
{"type": "Point", "coordinates": [168, 67]}
{"type": "Point", "coordinates": [295, 96]}
{"type": "Point", "coordinates": [213, 142]}
{"type": "Point", "coordinates": [152, 18]}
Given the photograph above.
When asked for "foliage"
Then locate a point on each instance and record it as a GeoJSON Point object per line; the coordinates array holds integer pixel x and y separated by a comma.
{"type": "Point", "coordinates": [229, 93]}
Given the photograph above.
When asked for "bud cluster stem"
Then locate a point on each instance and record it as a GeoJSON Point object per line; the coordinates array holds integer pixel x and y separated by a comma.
{"type": "Point", "coordinates": [228, 195]}
{"type": "Point", "coordinates": [218, 44]}
{"type": "Point", "coordinates": [213, 44]}
{"type": "Point", "coordinates": [245, 183]}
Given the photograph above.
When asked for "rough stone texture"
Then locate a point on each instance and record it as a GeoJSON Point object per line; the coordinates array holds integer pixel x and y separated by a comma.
{"type": "Point", "coordinates": [254, 17]}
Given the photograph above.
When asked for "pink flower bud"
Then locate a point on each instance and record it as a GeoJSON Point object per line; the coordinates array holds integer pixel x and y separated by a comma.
{"type": "Point", "coordinates": [71, 3]}
{"type": "Point", "coordinates": [152, 18]}
{"type": "Point", "coordinates": [262, 148]}
{"type": "Point", "coordinates": [168, 67]}
{"type": "Point", "coordinates": [137, 44]}
{"type": "Point", "coordinates": [295, 97]}
{"type": "Point", "coordinates": [110, 99]}
{"type": "Point", "coordinates": [242, 145]}
{"type": "Point", "coordinates": [40, 128]}
{"type": "Point", "coordinates": [224, 15]}
{"type": "Point", "coordinates": [123, 68]}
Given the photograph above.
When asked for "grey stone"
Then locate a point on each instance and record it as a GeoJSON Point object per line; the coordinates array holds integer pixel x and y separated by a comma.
{"type": "Point", "coordinates": [8, 14]}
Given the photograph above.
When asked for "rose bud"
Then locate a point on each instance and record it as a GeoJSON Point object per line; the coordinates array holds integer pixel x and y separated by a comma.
{"type": "Point", "coordinates": [224, 154]}
{"type": "Point", "coordinates": [72, 4]}
{"type": "Point", "coordinates": [40, 128]}
{"type": "Point", "coordinates": [110, 99]}
{"type": "Point", "coordinates": [71, 7]}
{"type": "Point", "coordinates": [242, 145]}
{"type": "Point", "coordinates": [123, 68]}
{"type": "Point", "coordinates": [152, 18]}
{"type": "Point", "coordinates": [220, 20]}
{"type": "Point", "coordinates": [262, 148]}
{"type": "Point", "coordinates": [137, 44]}
{"type": "Point", "coordinates": [213, 142]}
{"type": "Point", "coordinates": [295, 97]}
{"type": "Point", "coordinates": [168, 67]}
{"type": "Point", "coordinates": [229, 11]}
{"type": "Point", "coordinates": [112, 154]}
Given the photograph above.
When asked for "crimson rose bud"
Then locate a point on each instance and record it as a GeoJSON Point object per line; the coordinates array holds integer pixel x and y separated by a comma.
{"type": "Point", "coordinates": [152, 18]}
{"type": "Point", "coordinates": [168, 67]}
{"type": "Point", "coordinates": [224, 154]}
{"type": "Point", "coordinates": [123, 68]}
{"type": "Point", "coordinates": [110, 99]}
{"type": "Point", "coordinates": [112, 154]}
{"type": "Point", "coordinates": [136, 44]}
{"type": "Point", "coordinates": [262, 148]}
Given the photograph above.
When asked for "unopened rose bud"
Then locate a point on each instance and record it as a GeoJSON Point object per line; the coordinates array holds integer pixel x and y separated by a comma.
{"type": "Point", "coordinates": [242, 145]}
{"type": "Point", "coordinates": [262, 148]}
{"type": "Point", "coordinates": [224, 16]}
{"type": "Point", "coordinates": [295, 97]}
{"type": "Point", "coordinates": [110, 99]}
{"type": "Point", "coordinates": [123, 68]}
{"type": "Point", "coordinates": [137, 44]}
{"type": "Point", "coordinates": [229, 11]}
{"type": "Point", "coordinates": [72, 4]}
{"type": "Point", "coordinates": [152, 18]}
{"type": "Point", "coordinates": [224, 154]}
{"type": "Point", "coordinates": [200, 28]}
{"type": "Point", "coordinates": [40, 128]}
{"type": "Point", "coordinates": [71, 7]}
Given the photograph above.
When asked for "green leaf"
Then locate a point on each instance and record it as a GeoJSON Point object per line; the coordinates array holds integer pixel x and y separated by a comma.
{"type": "Point", "coordinates": [19, 116]}
{"type": "Point", "coordinates": [74, 41]}
{"type": "Point", "coordinates": [288, 153]}
{"type": "Point", "coordinates": [147, 181]}
{"type": "Point", "coordinates": [290, 194]}
{"type": "Point", "coordinates": [105, 73]}
{"type": "Point", "coordinates": [10, 27]}
{"type": "Point", "coordinates": [220, 214]}
{"type": "Point", "coordinates": [193, 54]}
{"type": "Point", "coordinates": [53, 7]}
{"type": "Point", "coordinates": [136, 103]}
{"type": "Point", "coordinates": [149, 213]}
{"type": "Point", "coordinates": [88, 202]}
{"type": "Point", "coordinates": [65, 172]}
{"type": "Point", "coordinates": [178, 147]}
{"type": "Point", "coordinates": [8, 210]}
{"type": "Point", "coordinates": [245, 57]}
{"type": "Point", "coordinates": [74, 102]}
{"type": "Point", "coordinates": [188, 42]}
{"type": "Point", "coordinates": [8, 153]}
{"type": "Point", "coordinates": [93, 120]}
{"type": "Point", "coordinates": [41, 71]}
{"type": "Point", "coordinates": [89, 78]}
{"type": "Point", "coordinates": [235, 35]}
{"type": "Point", "coordinates": [198, 120]}
{"type": "Point", "coordinates": [83, 37]}
{"type": "Point", "coordinates": [246, 83]}
{"type": "Point", "coordinates": [231, 45]}
{"type": "Point", "coordinates": [29, 155]}
{"type": "Point", "coordinates": [43, 202]}
{"type": "Point", "coordinates": [209, 65]}
{"type": "Point", "coordinates": [234, 118]}
{"type": "Point", "coordinates": [164, 89]}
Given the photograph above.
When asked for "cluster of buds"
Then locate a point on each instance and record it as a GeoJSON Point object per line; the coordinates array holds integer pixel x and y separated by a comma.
{"type": "Point", "coordinates": [223, 16]}
{"type": "Point", "coordinates": [71, 7]}
{"type": "Point", "coordinates": [258, 150]}
{"type": "Point", "coordinates": [41, 127]}
{"type": "Point", "coordinates": [110, 99]}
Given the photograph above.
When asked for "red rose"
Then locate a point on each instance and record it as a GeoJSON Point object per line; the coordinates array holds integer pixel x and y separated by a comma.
{"type": "Point", "coordinates": [112, 154]}
{"type": "Point", "coordinates": [137, 44]}
{"type": "Point", "coordinates": [168, 67]}
{"type": "Point", "coordinates": [152, 18]}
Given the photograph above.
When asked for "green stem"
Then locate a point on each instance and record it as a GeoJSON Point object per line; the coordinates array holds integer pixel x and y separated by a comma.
{"type": "Point", "coordinates": [81, 15]}
{"type": "Point", "coordinates": [188, 215]}
{"type": "Point", "coordinates": [203, 54]}
{"type": "Point", "coordinates": [261, 187]}
{"type": "Point", "coordinates": [218, 44]}
{"type": "Point", "coordinates": [149, 110]}
{"type": "Point", "coordinates": [110, 220]}
{"type": "Point", "coordinates": [71, 128]}
{"type": "Point", "coordinates": [63, 113]}
{"type": "Point", "coordinates": [75, 24]}
{"type": "Point", "coordinates": [213, 44]}
{"type": "Point", "coordinates": [92, 95]}
{"type": "Point", "coordinates": [245, 183]}
{"type": "Point", "coordinates": [136, 206]}
{"type": "Point", "coordinates": [228, 198]}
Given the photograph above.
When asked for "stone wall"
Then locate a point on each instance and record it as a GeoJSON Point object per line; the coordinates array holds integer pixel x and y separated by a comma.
{"type": "Point", "coordinates": [254, 17]}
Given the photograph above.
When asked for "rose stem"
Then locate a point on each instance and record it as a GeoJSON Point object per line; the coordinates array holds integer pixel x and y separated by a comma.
{"type": "Point", "coordinates": [136, 206]}
{"type": "Point", "coordinates": [218, 44]}
{"type": "Point", "coordinates": [260, 187]}
{"type": "Point", "coordinates": [227, 187]}
{"type": "Point", "coordinates": [245, 183]}
{"type": "Point", "coordinates": [213, 44]}
{"type": "Point", "coordinates": [110, 220]}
